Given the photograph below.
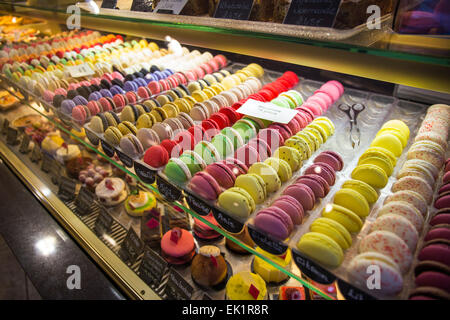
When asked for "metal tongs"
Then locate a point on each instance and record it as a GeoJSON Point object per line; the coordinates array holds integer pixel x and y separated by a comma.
{"type": "Point", "coordinates": [352, 112]}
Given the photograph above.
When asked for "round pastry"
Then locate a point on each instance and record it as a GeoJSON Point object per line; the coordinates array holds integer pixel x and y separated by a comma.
{"type": "Point", "coordinates": [208, 267]}
{"type": "Point", "coordinates": [111, 191]}
{"type": "Point", "coordinates": [139, 204]}
{"type": "Point", "coordinates": [246, 285]}
{"type": "Point", "coordinates": [177, 246]}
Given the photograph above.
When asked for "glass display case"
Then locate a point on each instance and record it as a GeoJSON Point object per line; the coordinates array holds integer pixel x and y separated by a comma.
{"type": "Point", "coordinates": [194, 166]}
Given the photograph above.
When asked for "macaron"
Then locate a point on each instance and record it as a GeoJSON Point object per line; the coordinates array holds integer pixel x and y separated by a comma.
{"type": "Point", "coordinates": [321, 248]}
{"type": "Point", "coordinates": [404, 209]}
{"type": "Point", "coordinates": [222, 174]}
{"type": "Point", "coordinates": [399, 225]}
{"type": "Point", "coordinates": [290, 155]}
{"type": "Point", "coordinates": [389, 244]}
{"type": "Point", "coordinates": [411, 197]}
{"type": "Point", "coordinates": [254, 185]}
{"type": "Point", "coordinates": [205, 185]}
{"type": "Point", "coordinates": [334, 230]}
{"type": "Point", "coordinates": [282, 168]}
{"type": "Point", "coordinates": [275, 222]}
{"type": "Point", "coordinates": [370, 174]}
{"type": "Point", "coordinates": [352, 200]}
{"type": "Point", "coordinates": [147, 137]}
{"type": "Point", "coordinates": [207, 151]}
{"type": "Point", "coordinates": [331, 158]}
{"type": "Point", "coordinates": [131, 146]}
{"type": "Point", "coordinates": [156, 156]}
{"type": "Point", "coordinates": [416, 184]}
{"type": "Point", "coordinates": [113, 135]}
{"type": "Point", "coordinates": [237, 166]}
{"type": "Point", "coordinates": [435, 251]}
{"type": "Point", "coordinates": [291, 206]}
{"type": "Point", "coordinates": [237, 202]}
{"type": "Point", "coordinates": [363, 188]}
{"type": "Point", "coordinates": [176, 170]}
{"type": "Point", "coordinates": [302, 193]}
{"type": "Point", "coordinates": [223, 144]}
{"type": "Point", "coordinates": [268, 174]}
{"type": "Point", "coordinates": [193, 161]}
{"type": "Point", "coordinates": [247, 154]}
{"type": "Point", "coordinates": [350, 220]}
{"type": "Point", "coordinates": [391, 280]}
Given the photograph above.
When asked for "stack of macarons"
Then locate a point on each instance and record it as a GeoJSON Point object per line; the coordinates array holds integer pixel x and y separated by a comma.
{"type": "Point", "coordinates": [267, 176]}
{"type": "Point", "coordinates": [443, 198]}
{"type": "Point", "coordinates": [351, 204]}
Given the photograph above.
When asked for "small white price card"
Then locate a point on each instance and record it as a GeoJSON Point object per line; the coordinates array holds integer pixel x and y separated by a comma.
{"type": "Point", "coordinates": [267, 111]}
{"type": "Point", "coordinates": [81, 70]}
{"type": "Point", "coordinates": [170, 6]}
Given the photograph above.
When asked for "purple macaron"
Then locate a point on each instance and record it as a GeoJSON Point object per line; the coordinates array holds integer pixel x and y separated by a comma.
{"type": "Point", "coordinates": [80, 100]}
{"type": "Point", "coordinates": [67, 106]}
{"type": "Point", "coordinates": [205, 185]}
{"type": "Point", "coordinates": [291, 206]}
{"type": "Point", "coordinates": [106, 93]}
{"type": "Point", "coordinates": [274, 222]}
{"type": "Point", "coordinates": [95, 96]}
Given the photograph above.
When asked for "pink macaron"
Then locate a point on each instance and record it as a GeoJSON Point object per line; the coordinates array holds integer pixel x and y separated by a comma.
{"type": "Point", "coordinates": [247, 154]}
{"type": "Point", "coordinates": [438, 252]}
{"type": "Point", "coordinates": [324, 170]}
{"type": "Point", "coordinates": [272, 137]}
{"type": "Point", "coordinates": [222, 173]}
{"type": "Point", "coordinates": [331, 158]}
{"type": "Point", "coordinates": [443, 201]}
{"type": "Point", "coordinates": [237, 166]}
{"type": "Point", "coordinates": [291, 206]}
{"type": "Point", "coordinates": [303, 194]}
{"type": "Point", "coordinates": [315, 182]}
{"type": "Point", "coordinates": [262, 147]}
{"type": "Point", "coordinates": [438, 233]}
{"type": "Point", "coordinates": [443, 218]}
{"type": "Point", "coordinates": [205, 185]}
{"type": "Point", "coordinates": [275, 222]}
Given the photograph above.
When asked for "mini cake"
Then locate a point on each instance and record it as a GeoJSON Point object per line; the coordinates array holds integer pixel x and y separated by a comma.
{"type": "Point", "coordinates": [177, 246]}
{"type": "Point", "coordinates": [244, 237]}
{"type": "Point", "coordinates": [267, 271]}
{"type": "Point", "coordinates": [292, 293]}
{"type": "Point", "coordinates": [246, 285]}
{"type": "Point", "coordinates": [76, 165]}
{"type": "Point", "coordinates": [67, 153]}
{"type": "Point", "coordinates": [111, 191]}
{"type": "Point", "coordinates": [203, 231]}
{"type": "Point", "coordinates": [137, 204]}
{"type": "Point", "coordinates": [208, 266]}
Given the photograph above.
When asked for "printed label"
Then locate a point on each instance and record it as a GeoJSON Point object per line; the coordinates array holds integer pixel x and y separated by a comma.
{"type": "Point", "coordinates": [267, 111]}
{"type": "Point", "coordinates": [313, 13]}
{"type": "Point", "coordinates": [131, 247]}
{"type": "Point", "coordinates": [169, 191]}
{"type": "Point", "coordinates": [170, 6]}
{"type": "Point", "coordinates": [104, 222]}
{"type": "Point", "coordinates": [152, 267]}
{"type": "Point", "coordinates": [234, 9]}
{"type": "Point", "coordinates": [352, 293]}
{"type": "Point", "coordinates": [227, 222]}
{"type": "Point", "coordinates": [266, 242]}
{"type": "Point", "coordinates": [197, 204]}
{"type": "Point", "coordinates": [311, 269]}
{"type": "Point", "coordinates": [177, 288]}
{"type": "Point", "coordinates": [146, 174]}
{"type": "Point", "coordinates": [127, 161]}
{"type": "Point", "coordinates": [81, 70]}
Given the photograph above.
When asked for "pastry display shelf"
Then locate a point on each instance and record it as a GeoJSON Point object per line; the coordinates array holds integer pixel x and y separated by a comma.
{"type": "Point", "coordinates": [137, 289]}
{"type": "Point", "coordinates": [394, 58]}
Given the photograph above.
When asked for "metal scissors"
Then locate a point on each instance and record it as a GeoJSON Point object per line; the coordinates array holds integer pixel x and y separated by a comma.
{"type": "Point", "coordinates": [352, 112]}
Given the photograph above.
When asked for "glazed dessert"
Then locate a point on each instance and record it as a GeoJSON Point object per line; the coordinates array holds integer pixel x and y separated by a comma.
{"type": "Point", "coordinates": [177, 246]}
{"type": "Point", "coordinates": [244, 237]}
{"type": "Point", "coordinates": [292, 293]}
{"type": "Point", "coordinates": [111, 191]}
{"type": "Point", "coordinates": [267, 271]}
{"type": "Point", "coordinates": [138, 204]}
{"type": "Point", "coordinates": [208, 267]}
{"type": "Point", "coordinates": [246, 285]}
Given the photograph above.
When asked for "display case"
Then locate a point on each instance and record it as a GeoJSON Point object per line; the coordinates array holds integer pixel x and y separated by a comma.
{"type": "Point", "coordinates": [306, 111]}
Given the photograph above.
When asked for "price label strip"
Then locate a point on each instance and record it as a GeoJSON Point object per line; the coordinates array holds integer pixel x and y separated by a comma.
{"type": "Point", "coordinates": [152, 267]}
{"type": "Point", "coordinates": [66, 190]}
{"type": "Point", "coordinates": [109, 150]}
{"type": "Point", "coordinates": [311, 269]}
{"type": "Point", "coordinates": [266, 242]}
{"type": "Point", "coordinates": [198, 205]}
{"type": "Point", "coordinates": [131, 247]}
{"type": "Point", "coordinates": [127, 161]}
{"type": "Point", "coordinates": [11, 136]}
{"type": "Point", "coordinates": [142, 5]}
{"type": "Point", "coordinates": [170, 6]}
{"type": "Point", "coordinates": [168, 190]}
{"type": "Point", "coordinates": [226, 221]}
{"type": "Point", "coordinates": [84, 201]}
{"type": "Point", "coordinates": [109, 4]}
{"type": "Point", "coordinates": [104, 222]}
{"type": "Point", "coordinates": [313, 13]}
{"type": "Point", "coordinates": [177, 288]}
{"type": "Point", "coordinates": [25, 144]}
{"type": "Point", "coordinates": [352, 293]}
{"type": "Point", "coordinates": [144, 172]}
{"type": "Point", "coordinates": [234, 9]}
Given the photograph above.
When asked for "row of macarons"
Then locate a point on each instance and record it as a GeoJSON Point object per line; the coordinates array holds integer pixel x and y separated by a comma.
{"type": "Point", "coordinates": [432, 273]}
{"type": "Point", "coordinates": [396, 231]}
{"type": "Point", "coordinates": [266, 176]}
{"type": "Point", "coordinates": [173, 101]}
{"type": "Point", "coordinates": [62, 42]}
{"type": "Point", "coordinates": [158, 155]}
{"type": "Point", "coordinates": [290, 209]}
{"type": "Point", "coordinates": [160, 123]}
{"type": "Point", "coordinates": [331, 235]}
{"type": "Point", "coordinates": [122, 92]}
{"type": "Point", "coordinates": [125, 82]}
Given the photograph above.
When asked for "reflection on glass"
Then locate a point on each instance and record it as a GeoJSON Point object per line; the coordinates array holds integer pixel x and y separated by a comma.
{"type": "Point", "coordinates": [46, 246]}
